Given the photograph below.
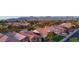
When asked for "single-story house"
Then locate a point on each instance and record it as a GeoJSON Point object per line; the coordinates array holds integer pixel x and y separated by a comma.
{"type": "Point", "coordinates": [31, 36]}
{"type": "Point", "coordinates": [3, 37]}
{"type": "Point", "coordinates": [67, 25]}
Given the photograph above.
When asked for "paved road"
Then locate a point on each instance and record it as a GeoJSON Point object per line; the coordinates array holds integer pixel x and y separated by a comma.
{"type": "Point", "coordinates": [74, 34]}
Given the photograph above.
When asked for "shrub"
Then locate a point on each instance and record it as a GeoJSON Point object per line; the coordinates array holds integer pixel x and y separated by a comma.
{"type": "Point", "coordinates": [73, 39]}
{"type": "Point", "coordinates": [58, 38]}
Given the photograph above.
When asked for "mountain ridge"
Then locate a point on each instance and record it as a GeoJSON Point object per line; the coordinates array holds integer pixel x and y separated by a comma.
{"type": "Point", "coordinates": [45, 18]}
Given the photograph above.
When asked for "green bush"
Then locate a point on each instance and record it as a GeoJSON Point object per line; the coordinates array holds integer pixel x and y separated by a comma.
{"type": "Point", "coordinates": [73, 39]}
{"type": "Point", "coordinates": [58, 38]}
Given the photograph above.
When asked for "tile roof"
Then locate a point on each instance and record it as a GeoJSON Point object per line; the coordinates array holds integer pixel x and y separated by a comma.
{"type": "Point", "coordinates": [3, 38]}
{"type": "Point", "coordinates": [19, 36]}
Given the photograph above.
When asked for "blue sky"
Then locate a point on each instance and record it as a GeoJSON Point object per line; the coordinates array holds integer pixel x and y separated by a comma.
{"type": "Point", "coordinates": [6, 17]}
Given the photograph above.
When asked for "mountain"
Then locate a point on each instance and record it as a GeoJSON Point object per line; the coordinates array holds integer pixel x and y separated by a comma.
{"type": "Point", "coordinates": [45, 18]}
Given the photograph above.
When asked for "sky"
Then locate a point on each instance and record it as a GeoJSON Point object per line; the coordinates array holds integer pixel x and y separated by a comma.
{"type": "Point", "coordinates": [7, 17]}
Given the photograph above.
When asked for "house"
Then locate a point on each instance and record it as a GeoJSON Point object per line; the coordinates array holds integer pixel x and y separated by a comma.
{"type": "Point", "coordinates": [19, 36]}
{"type": "Point", "coordinates": [57, 29]}
{"type": "Point", "coordinates": [35, 31]}
{"type": "Point", "coordinates": [43, 31]}
{"type": "Point", "coordinates": [20, 24]}
{"type": "Point", "coordinates": [3, 37]}
{"type": "Point", "coordinates": [67, 25]}
{"type": "Point", "coordinates": [16, 37]}
{"type": "Point", "coordinates": [24, 30]}
{"type": "Point", "coordinates": [31, 36]}
{"type": "Point", "coordinates": [11, 37]}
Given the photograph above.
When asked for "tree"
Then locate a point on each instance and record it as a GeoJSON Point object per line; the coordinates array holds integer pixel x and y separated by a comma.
{"type": "Point", "coordinates": [30, 28]}
{"type": "Point", "coordinates": [50, 36]}
{"type": "Point", "coordinates": [57, 38]}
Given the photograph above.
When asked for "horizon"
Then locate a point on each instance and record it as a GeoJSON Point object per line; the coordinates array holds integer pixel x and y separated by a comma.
{"type": "Point", "coordinates": [9, 17]}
